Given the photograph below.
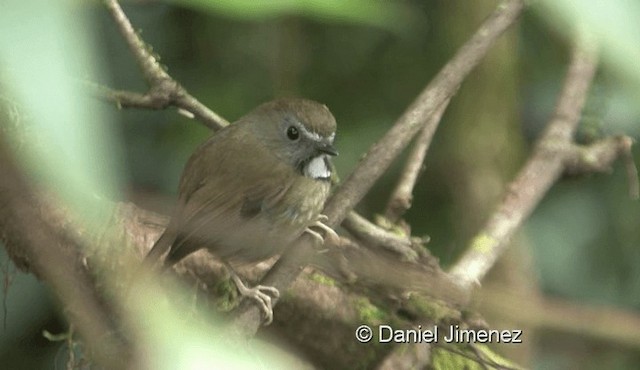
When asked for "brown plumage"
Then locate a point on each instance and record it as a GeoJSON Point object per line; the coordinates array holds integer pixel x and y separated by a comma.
{"type": "Point", "coordinates": [250, 189]}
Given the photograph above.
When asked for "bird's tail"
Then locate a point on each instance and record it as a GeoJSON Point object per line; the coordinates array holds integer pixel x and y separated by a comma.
{"type": "Point", "coordinates": [162, 245]}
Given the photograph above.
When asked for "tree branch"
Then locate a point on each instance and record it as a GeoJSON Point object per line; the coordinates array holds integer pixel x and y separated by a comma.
{"type": "Point", "coordinates": [164, 91]}
{"type": "Point", "coordinates": [541, 171]}
{"type": "Point", "coordinates": [311, 303]}
{"type": "Point", "coordinates": [54, 256]}
{"type": "Point", "coordinates": [598, 157]}
{"type": "Point", "coordinates": [402, 196]}
{"type": "Point", "coordinates": [443, 86]}
{"type": "Point", "coordinates": [376, 236]}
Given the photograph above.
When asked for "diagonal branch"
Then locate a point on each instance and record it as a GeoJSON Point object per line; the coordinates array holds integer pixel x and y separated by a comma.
{"type": "Point", "coordinates": [400, 200]}
{"type": "Point", "coordinates": [149, 65]}
{"type": "Point", "coordinates": [443, 86]}
{"type": "Point", "coordinates": [541, 171]}
{"type": "Point", "coordinates": [376, 236]}
{"type": "Point", "coordinates": [164, 91]}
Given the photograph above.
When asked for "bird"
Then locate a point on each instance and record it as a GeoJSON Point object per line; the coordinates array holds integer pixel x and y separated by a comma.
{"type": "Point", "coordinates": [253, 188]}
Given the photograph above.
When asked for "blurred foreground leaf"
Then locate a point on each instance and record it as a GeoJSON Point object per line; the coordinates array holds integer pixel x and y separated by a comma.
{"type": "Point", "coordinates": [616, 25]}
{"type": "Point", "coordinates": [390, 15]}
{"type": "Point", "coordinates": [67, 143]}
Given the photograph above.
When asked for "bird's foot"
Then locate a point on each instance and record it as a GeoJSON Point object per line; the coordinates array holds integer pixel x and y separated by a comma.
{"type": "Point", "coordinates": [258, 293]}
{"type": "Point", "coordinates": [330, 234]}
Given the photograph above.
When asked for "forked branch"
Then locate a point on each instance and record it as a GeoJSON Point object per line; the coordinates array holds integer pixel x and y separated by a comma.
{"type": "Point", "coordinates": [164, 91]}
{"type": "Point", "coordinates": [545, 166]}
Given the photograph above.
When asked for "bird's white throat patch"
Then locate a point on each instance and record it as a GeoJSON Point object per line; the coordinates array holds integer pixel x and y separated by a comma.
{"type": "Point", "coordinates": [318, 168]}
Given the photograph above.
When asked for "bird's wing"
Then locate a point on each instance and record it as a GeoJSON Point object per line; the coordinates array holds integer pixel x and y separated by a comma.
{"type": "Point", "coordinates": [210, 215]}
{"type": "Point", "coordinates": [219, 196]}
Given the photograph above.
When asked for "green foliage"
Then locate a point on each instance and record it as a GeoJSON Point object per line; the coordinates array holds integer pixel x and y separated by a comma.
{"type": "Point", "coordinates": [384, 14]}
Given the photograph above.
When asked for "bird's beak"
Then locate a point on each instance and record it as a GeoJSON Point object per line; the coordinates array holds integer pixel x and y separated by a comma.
{"type": "Point", "coordinates": [327, 149]}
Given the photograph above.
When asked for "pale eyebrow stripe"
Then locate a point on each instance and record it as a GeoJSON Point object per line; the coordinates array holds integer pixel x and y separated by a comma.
{"type": "Point", "coordinates": [314, 135]}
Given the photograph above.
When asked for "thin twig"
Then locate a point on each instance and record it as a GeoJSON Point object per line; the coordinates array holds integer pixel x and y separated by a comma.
{"type": "Point", "coordinates": [381, 154]}
{"type": "Point", "coordinates": [374, 235]}
{"type": "Point", "coordinates": [598, 157]}
{"type": "Point", "coordinates": [402, 196]}
{"type": "Point", "coordinates": [151, 69]}
{"type": "Point", "coordinates": [164, 91]}
{"type": "Point", "coordinates": [127, 99]}
{"type": "Point", "coordinates": [540, 172]}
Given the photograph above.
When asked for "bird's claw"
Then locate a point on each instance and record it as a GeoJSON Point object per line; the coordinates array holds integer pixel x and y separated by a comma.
{"type": "Point", "coordinates": [316, 235]}
{"type": "Point", "coordinates": [330, 234]}
{"type": "Point", "coordinates": [259, 294]}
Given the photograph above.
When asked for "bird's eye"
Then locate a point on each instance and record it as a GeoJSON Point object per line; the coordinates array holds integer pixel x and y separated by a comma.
{"type": "Point", "coordinates": [292, 133]}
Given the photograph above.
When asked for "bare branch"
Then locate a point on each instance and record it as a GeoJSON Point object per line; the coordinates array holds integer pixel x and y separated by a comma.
{"type": "Point", "coordinates": [164, 91]}
{"type": "Point", "coordinates": [599, 156]}
{"type": "Point", "coordinates": [151, 69]}
{"type": "Point", "coordinates": [438, 92]}
{"type": "Point", "coordinates": [374, 235]}
{"type": "Point", "coordinates": [400, 200]}
{"type": "Point", "coordinates": [127, 99]}
{"type": "Point", "coordinates": [540, 172]}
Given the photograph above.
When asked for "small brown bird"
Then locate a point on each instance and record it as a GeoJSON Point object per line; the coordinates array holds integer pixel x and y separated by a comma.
{"type": "Point", "coordinates": [253, 188]}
